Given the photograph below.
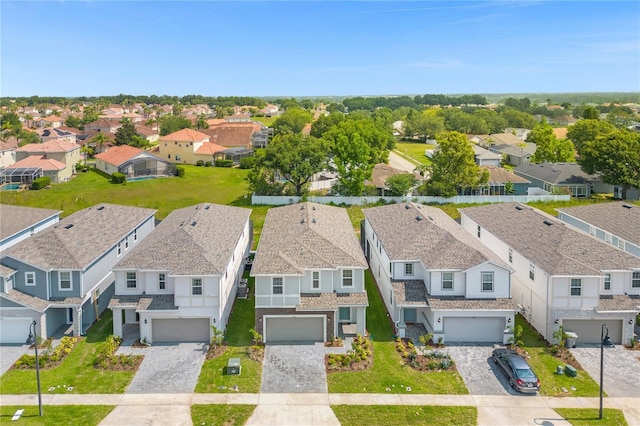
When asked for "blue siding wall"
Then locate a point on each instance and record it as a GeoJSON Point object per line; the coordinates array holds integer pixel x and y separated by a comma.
{"type": "Point", "coordinates": [4, 303]}
{"type": "Point", "coordinates": [56, 318]}
{"type": "Point", "coordinates": [55, 278]}
{"type": "Point", "coordinates": [39, 290]}
{"type": "Point", "coordinates": [88, 310]}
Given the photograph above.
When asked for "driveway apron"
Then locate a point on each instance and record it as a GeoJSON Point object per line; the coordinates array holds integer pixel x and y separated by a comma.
{"type": "Point", "coordinates": [294, 368]}
{"type": "Point", "coordinates": [168, 368]}
{"type": "Point", "coordinates": [481, 375]}
{"type": "Point", "coordinates": [621, 369]}
{"type": "Point", "coordinates": [9, 354]}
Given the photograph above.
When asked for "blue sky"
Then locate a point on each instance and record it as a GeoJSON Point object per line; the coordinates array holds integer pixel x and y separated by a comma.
{"type": "Point", "coordinates": [315, 48]}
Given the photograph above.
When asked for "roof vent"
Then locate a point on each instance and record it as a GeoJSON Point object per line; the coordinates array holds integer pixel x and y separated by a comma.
{"type": "Point", "coordinates": [627, 206]}
{"type": "Point", "coordinates": [407, 206]}
{"type": "Point", "coordinates": [418, 218]}
{"type": "Point", "coordinates": [547, 222]}
{"type": "Point", "coordinates": [182, 223]}
{"type": "Point", "coordinates": [302, 207]}
{"type": "Point", "coordinates": [313, 220]}
{"type": "Point", "coordinates": [100, 208]}
{"type": "Point", "coordinates": [313, 207]}
{"type": "Point", "coordinates": [68, 226]}
{"type": "Point", "coordinates": [518, 207]}
{"type": "Point", "coordinates": [207, 207]}
{"type": "Point", "coordinates": [193, 223]}
{"type": "Point", "coordinates": [302, 221]}
{"type": "Point", "coordinates": [430, 218]}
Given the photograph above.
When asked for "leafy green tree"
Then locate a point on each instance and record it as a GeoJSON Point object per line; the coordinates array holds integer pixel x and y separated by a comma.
{"type": "Point", "coordinates": [126, 133]}
{"type": "Point", "coordinates": [201, 122]}
{"type": "Point", "coordinates": [261, 181]}
{"type": "Point", "coordinates": [518, 119]}
{"type": "Point", "coordinates": [26, 137]}
{"type": "Point", "coordinates": [453, 167]}
{"type": "Point", "coordinates": [616, 156]}
{"type": "Point", "coordinates": [400, 184]}
{"type": "Point", "coordinates": [586, 131]}
{"type": "Point", "coordinates": [590, 113]}
{"type": "Point", "coordinates": [292, 121]}
{"type": "Point", "coordinates": [90, 114]}
{"type": "Point", "coordinates": [73, 121]}
{"type": "Point", "coordinates": [296, 158]}
{"type": "Point", "coordinates": [549, 149]}
{"type": "Point", "coordinates": [173, 123]}
{"type": "Point", "coordinates": [10, 121]}
{"type": "Point", "coordinates": [424, 125]}
{"type": "Point", "coordinates": [620, 118]}
{"type": "Point", "coordinates": [378, 137]}
{"type": "Point", "coordinates": [352, 159]}
{"type": "Point", "coordinates": [99, 140]}
{"type": "Point", "coordinates": [324, 123]}
{"type": "Point", "coordinates": [494, 121]}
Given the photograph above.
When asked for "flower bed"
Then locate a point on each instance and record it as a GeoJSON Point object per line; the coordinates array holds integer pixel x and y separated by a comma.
{"type": "Point", "coordinates": [106, 359]}
{"type": "Point", "coordinates": [359, 358]}
{"type": "Point", "coordinates": [49, 358]}
{"type": "Point", "coordinates": [424, 360]}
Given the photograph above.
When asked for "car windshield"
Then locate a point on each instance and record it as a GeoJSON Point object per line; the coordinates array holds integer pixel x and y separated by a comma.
{"type": "Point", "coordinates": [525, 373]}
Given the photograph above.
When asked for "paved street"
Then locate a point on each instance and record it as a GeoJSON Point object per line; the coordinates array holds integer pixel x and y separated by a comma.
{"type": "Point", "coordinates": [398, 162]}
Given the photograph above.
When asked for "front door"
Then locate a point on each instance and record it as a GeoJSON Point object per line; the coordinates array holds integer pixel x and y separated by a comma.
{"type": "Point", "coordinates": [410, 316]}
{"type": "Point", "coordinates": [69, 315]}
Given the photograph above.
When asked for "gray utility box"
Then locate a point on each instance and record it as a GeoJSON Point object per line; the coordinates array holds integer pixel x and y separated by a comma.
{"type": "Point", "coordinates": [571, 339]}
{"type": "Point", "coordinates": [233, 366]}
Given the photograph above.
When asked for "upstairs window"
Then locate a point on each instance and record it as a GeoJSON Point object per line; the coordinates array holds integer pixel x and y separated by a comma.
{"type": "Point", "coordinates": [576, 286]}
{"type": "Point", "coordinates": [30, 279]}
{"type": "Point", "coordinates": [347, 278]}
{"type": "Point", "coordinates": [487, 281]}
{"type": "Point", "coordinates": [196, 286]}
{"type": "Point", "coordinates": [607, 281]}
{"type": "Point", "coordinates": [635, 280]}
{"type": "Point", "coordinates": [447, 280]}
{"type": "Point", "coordinates": [65, 280]}
{"type": "Point", "coordinates": [479, 231]}
{"type": "Point", "coordinates": [408, 269]}
{"type": "Point", "coordinates": [532, 271]}
{"type": "Point", "coordinates": [315, 280]}
{"type": "Point", "coordinates": [276, 285]}
{"type": "Point", "coordinates": [119, 249]}
{"type": "Point", "coordinates": [162, 281]}
{"type": "Point", "coordinates": [132, 280]}
{"type": "Point", "coordinates": [510, 256]}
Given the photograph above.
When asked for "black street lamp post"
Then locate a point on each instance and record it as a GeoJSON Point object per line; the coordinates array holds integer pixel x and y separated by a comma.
{"type": "Point", "coordinates": [33, 338]}
{"type": "Point", "coordinates": [604, 341]}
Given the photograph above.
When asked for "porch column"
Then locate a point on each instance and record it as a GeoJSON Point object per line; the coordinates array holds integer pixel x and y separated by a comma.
{"type": "Point", "coordinates": [117, 322]}
{"type": "Point", "coordinates": [400, 323]}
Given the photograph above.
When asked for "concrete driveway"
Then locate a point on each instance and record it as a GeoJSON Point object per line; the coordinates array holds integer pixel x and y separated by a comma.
{"type": "Point", "coordinates": [481, 375]}
{"type": "Point", "coordinates": [621, 369]}
{"type": "Point", "coordinates": [294, 368]}
{"type": "Point", "coordinates": [167, 368]}
{"type": "Point", "coordinates": [9, 354]}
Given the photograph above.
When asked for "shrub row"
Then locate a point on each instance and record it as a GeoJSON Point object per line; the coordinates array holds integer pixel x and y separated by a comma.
{"type": "Point", "coordinates": [106, 358]}
{"type": "Point", "coordinates": [48, 358]}
{"type": "Point", "coordinates": [41, 182]}
{"type": "Point", "coordinates": [360, 351]}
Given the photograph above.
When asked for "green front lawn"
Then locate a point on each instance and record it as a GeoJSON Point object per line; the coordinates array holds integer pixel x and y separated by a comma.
{"type": "Point", "coordinates": [81, 415]}
{"type": "Point", "coordinates": [544, 363]}
{"type": "Point", "coordinates": [221, 415]}
{"type": "Point", "coordinates": [391, 415]}
{"type": "Point", "coordinates": [199, 184]}
{"type": "Point", "coordinates": [75, 371]}
{"type": "Point", "coordinates": [212, 376]}
{"type": "Point", "coordinates": [415, 151]}
{"type": "Point", "coordinates": [589, 416]}
{"type": "Point", "coordinates": [388, 370]}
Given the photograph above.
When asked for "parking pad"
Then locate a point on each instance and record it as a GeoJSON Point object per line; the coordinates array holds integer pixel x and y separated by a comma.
{"type": "Point", "coordinates": [621, 369]}
{"type": "Point", "coordinates": [481, 375]}
{"type": "Point", "coordinates": [294, 368]}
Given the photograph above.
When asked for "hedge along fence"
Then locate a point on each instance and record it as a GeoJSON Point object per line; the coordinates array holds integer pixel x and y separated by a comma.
{"type": "Point", "coordinates": [180, 171]}
{"type": "Point", "coordinates": [224, 163]}
{"type": "Point", "coordinates": [41, 182]}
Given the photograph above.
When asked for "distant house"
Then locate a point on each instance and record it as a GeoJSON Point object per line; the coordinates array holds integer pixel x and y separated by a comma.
{"type": "Point", "coordinates": [500, 179]}
{"type": "Point", "coordinates": [132, 162]}
{"type": "Point", "coordinates": [630, 194]}
{"type": "Point", "coordinates": [188, 147]}
{"type": "Point", "coordinates": [68, 153]}
{"type": "Point", "coordinates": [51, 121]}
{"type": "Point", "coordinates": [30, 168]}
{"type": "Point", "coordinates": [19, 223]}
{"type": "Point", "coordinates": [500, 139]}
{"type": "Point", "coordinates": [616, 223]}
{"type": "Point", "coordinates": [569, 177]}
{"type": "Point", "coordinates": [148, 133]}
{"type": "Point", "coordinates": [7, 154]}
{"type": "Point", "coordinates": [563, 277]}
{"type": "Point", "coordinates": [515, 154]}
{"type": "Point", "coordinates": [230, 135]}
{"type": "Point", "coordinates": [102, 125]}
{"type": "Point", "coordinates": [184, 277]}
{"type": "Point", "coordinates": [519, 132]}
{"type": "Point", "coordinates": [57, 134]}
{"type": "Point", "coordinates": [61, 277]}
{"type": "Point", "coordinates": [432, 274]}
{"type": "Point", "coordinates": [381, 172]}
{"type": "Point", "coordinates": [309, 275]}
{"type": "Point", "coordinates": [484, 157]}
{"type": "Point", "coordinates": [238, 118]}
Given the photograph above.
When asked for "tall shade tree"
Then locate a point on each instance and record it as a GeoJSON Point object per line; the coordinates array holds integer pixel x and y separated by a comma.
{"type": "Point", "coordinates": [126, 134]}
{"type": "Point", "coordinates": [292, 121]}
{"type": "Point", "coordinates": [352, 159]}
{"type": "Point", "coordinates": [453, 167]}
{"type": "Point", "coordinates": [616, 156]}
{"type": "Point", "coordinates": [296, 158]}
{"type": "Point", "coordinates": [201, 122]}
{"type": "Point", "coordinates": [173, 123]}
{"type": "Point", "coordinates": [423, 125]}
{"type": "Point", "coordinates": [379, 138]}
{"type": "Point", "coordinates": [585, 131]}
{"type": "Point", "coordinates": [549, 149]}
{"type": "Point", "coordinates": [399, 185]}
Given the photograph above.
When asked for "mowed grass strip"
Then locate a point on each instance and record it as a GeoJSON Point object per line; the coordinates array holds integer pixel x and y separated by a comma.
{"type": "Point", "coordinates": [76, 373]}
{"type": "Point", "coordinates": [589, 416]}
{"type": "Point", "coordinates": [392, 415]}
{"type": "Point", "coordinates": [388, 373]}
{"type": "Point", "coordinates": [415, 150]}
{"type": "Point", "coordinates": [221, 415]}
{"type": "Point", "coordinates": [81, 415]}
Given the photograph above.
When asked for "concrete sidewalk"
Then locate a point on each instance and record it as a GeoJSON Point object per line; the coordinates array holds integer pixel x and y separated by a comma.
{"type": "Point", "coordinates": [315, 408]}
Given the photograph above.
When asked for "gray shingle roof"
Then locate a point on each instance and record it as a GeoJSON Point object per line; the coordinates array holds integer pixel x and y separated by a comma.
{"type": "Point", "coordinates": [195, 240]}
{"type": "Point", "coordinates": [156, 302]}
{"type": "Point", "coordinates": [460, 302]}
{"type": "Point", "coordinates": [556, 248]}
{"type": "Point", "coordinates": [27, 300]}
{"type": "Point", "coordinates": [79, 239]}
{"type": "Point", "coordinates": [6, 272]}
{"type": "Point", "coordinates": [555, 173]}
{"type": "Point", "coordinates": [618, 218]}
{"type": "Point", "coordinates": [18, 218]}
{"type": "Point", "coordinates": [619, 302]}
{"type": "Point", "coordinates": [413, 232]}
{"type": "Point", "coordinates": [409, 292]}
{"type": "Point", "coordinates": [304, 236]}
{"type": "Point", "coordinates": [331, 301]}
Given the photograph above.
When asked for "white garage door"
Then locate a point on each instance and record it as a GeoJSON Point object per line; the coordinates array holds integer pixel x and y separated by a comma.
{"type": "Point", "coordinates": [294, 329]}
{"type": "Point", "coordinates": [589, 331]}
{"type": "Point", "coordinates": [14, 330]}
{"type": "Point", "coordinates": [180, 330]}
{"type": "Point", "coordinates": [467, 329]}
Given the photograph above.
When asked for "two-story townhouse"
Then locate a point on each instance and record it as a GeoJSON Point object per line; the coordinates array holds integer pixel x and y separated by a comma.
{"type": "Point", "coordinates": [188, 146]}
{"type": "Point", "coordinates": [54, 155]}
{"type": "Point", "coordinates": [616, 223]}
{"type": "Point", "coordinates": [309, 275]}
{"type": "Point", "coordinates": [61, 277]}
{"type": "Point", "coordinates": [431, 272]}
{"type": "Point", "coordinates": [563, 276]}
{"type": "Point", "coordinates": [19, 223]}
{"type": "Point", "coordinates": [184, 277]}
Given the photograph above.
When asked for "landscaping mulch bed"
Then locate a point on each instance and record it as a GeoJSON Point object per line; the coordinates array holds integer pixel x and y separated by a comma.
{"type": "Point", "coordinates": [106, 359]}
{"type": "Point", "coordinates": [566, 357]}
{"type": "Point", "coordinates": [48, 356]}
{"type": "Point", "coordinates": [359, 358]}
{"type": "Point", "coordinates": [429, 359]}
{"type": "Point", "coordinates": [216, 350]}
{"type": "Point", "coordinates": [256, 352]}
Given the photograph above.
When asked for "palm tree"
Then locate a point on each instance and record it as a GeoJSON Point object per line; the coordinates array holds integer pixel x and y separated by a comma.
{"type": "Point", "coordinates": [99, 140]}
{"type": "Point", "coordinates": [28, 118]}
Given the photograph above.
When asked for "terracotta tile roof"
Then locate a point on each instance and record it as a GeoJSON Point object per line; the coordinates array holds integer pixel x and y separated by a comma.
{"type": "Point", "coordinates": [52, 119]}
{"type": "Point", "coordinates": [548, 243]}
{"type": "Point", "coordinates": [413, 232]}
{"type": "Point", "coordinates": [460, 302]}
{"type": "Point", "coordinates": [307, 236]}
{"type": "Point", "coordinates": [619, 302]}
{"type": "Point", "coordinates": [18, 218]}
{"type": "Point", "coordinates": [195, 240]}
{"type": "Point", "coordinates": [186, 135]}
{"type": "Point", "coordinates": [51, 146]}
{"type": "Point", "coordinates": [46, 164]}
{"type": "Point", "coordinates": [409, 292]}
{"type": "Point", "coordinates": [119, 154]}
{"type": "Point", "coordinates": [230, 134]}
{"type": "Point", "coordinates": [146, 131]}
{"type": "Point", "coordinates": [209, 148]}
{"type": "Point", "coordinates": [619, 218]}
{"type": "Point", "coordinates": [215, 121]}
